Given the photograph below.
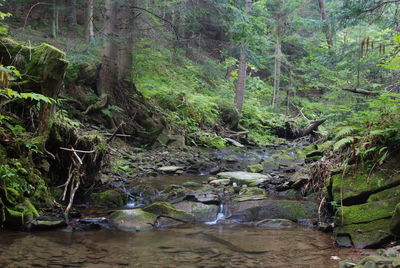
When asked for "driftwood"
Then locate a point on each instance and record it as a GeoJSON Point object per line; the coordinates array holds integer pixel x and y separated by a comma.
{"type": "Point", "coordinates": [362, 91]}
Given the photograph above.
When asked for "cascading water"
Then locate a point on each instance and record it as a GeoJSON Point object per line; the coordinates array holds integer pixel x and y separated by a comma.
{"type": "Point", "coordinates": [220, 215]}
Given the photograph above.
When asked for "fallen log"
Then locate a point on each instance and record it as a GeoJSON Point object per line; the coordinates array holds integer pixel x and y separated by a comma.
{"type": "Point", "coordinates": [362, 91]}
{"type": "Point", "coordinates": [310, 128]}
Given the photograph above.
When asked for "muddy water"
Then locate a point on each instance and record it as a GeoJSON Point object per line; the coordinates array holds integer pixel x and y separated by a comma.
{"type": "Point", "coordinates": [186, 246]}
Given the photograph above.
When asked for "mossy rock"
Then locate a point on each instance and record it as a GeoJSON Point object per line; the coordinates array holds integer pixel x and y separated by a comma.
{"type": "Point", "coordinates": [354, 187]}
{"type": "Point", "coordinates": [114, 198]}
{"type": "Point", "coordinates": [257, 168]}
{"type": "Point", "coordinates": [366, 234]}
{"type": "Point", "coordinates": [19, 216]}
{"type": "Point", "coordinates": [395, 222]}
{"type": "Point", "coordinates": [200, 212]}
{"type": "Point", "coordinates": [165, 209]}
{"type": "Point", "coordinates": [191, 184]}
{"type": "Point", "coordinates": [134, 220]}
{"type": "Point", "coordinates": [366, 212]}
{"type": "Point", "coordinates": [147, 193]}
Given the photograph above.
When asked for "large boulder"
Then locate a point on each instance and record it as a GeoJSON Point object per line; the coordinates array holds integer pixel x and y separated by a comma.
{"type": "Point", "coordinates": [164, 209]}
{"type": "Point", "coordinates": [256, 210]}
{"type": "Point", "coordinates": [201, 212]}
{"type": "Point", "coordinates": [369, 224]}
{"type": "Point", "coordinates": [245, 178]}
{"type": "Point", "coordinates": [135, 220]}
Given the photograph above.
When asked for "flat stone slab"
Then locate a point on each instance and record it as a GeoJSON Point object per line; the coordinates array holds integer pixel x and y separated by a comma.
{"type": "Point", "coordinates": [248, 178]}
{"type": "Point", "coordinates": [170, 169]}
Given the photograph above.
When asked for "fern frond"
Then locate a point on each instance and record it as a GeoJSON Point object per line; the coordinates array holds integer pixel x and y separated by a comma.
{"type": "Point", "coordinates": [345, 131]}
{"type": "Point", "coordinates": [343, 143]}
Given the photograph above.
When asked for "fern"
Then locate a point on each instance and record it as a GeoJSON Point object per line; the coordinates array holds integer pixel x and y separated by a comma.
{"type": "Point", "coordinates": [345, 132]}
{"type": "Point", "coordinates": [343, 143]}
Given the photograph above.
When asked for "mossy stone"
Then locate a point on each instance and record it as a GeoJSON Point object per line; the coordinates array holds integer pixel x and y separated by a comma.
{"type": "Point", "coordinates": [257, 168]}
{"type": "Point", "coordinates": [135, 220]}
{"type": "Point", "coordinates": [111, 198]}
{"type": "Point", "coordinates": [395, 221]}
{"type": "Point", "coordinates": [366, 234]}
{"type": "Point", "coordinates": [167, 210]}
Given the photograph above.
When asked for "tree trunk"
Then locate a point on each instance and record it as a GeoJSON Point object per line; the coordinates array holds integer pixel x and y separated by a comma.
{"type": "Point", "coordinates": [126, 17]}
{"type": "Point", "coordinates": [54, 21]}
{"type": "Point", "coordinates": [277, 72]}
{"type": "Point", "coordinates": [89, 21]}
{"type": "Point", "coordinates": [71, 13]}
{"type": "Point", "coordinates": [108, 75]}
{"type": "Point", "coordinates": [241, 82]}
{"type": "Point", "coordinates": [326, 28]}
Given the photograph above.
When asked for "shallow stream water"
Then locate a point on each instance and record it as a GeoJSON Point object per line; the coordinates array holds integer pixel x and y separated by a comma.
{"type": "Point", "coordinates": [186, 246]}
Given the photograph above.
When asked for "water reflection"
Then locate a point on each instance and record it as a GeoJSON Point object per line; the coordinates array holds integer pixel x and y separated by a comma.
{"type": "Point", "coordinates": [187, 246]}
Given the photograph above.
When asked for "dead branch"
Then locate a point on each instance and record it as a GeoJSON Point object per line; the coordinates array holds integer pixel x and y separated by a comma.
{"type": "Point", "coordinates": [76, 151]}
{"type": "Point", "coordinates": [115, 132]}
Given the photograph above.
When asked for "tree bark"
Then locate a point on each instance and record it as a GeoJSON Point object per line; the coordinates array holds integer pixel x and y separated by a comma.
{"type": "Point", "coordinates": [54, 21]}
{"type": "Point", "coordinates": [108, 74]}
{"type": "Point", "coordinates": [326, 27]}
{"type": "Point", "coordinates": [126, 17]}
{"type": "Point", "coordinates": [89, 21]}
{"type": "Point", "coordinates": [241, 82]}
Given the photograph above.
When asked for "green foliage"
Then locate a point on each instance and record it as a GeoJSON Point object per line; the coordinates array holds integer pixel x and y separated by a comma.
{"type": "Point", "coordinates": [14, 177]}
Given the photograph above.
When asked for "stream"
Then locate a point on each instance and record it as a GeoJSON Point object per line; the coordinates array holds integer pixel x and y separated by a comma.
{"type": "Point", "coordinates": [185, 246]}
{"type": "Point", "coordinates": [211, 243]}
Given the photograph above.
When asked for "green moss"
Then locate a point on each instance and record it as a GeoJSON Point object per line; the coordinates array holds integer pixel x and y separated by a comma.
{"type": "Point", "coordinates": [167, 210]}
{"type": "Point", "coordinates": [353, 185]}
{"type": "Point", "coordinates": [366, 212]}
{"type": "Point", "coordinates": [368, 234]}
{"type": "Point", "coordinates": [191, 184]}
{"type": "Point", "coordinates": [389, 193]}
{"type": "Point", "coordinates": [111, 198]}
{"type": "Point", "coordinates": [258, 168]}
{"type": "Point", "coordinates": [395, 222]}
{"type": "Point", "coordinates": [294, 210]}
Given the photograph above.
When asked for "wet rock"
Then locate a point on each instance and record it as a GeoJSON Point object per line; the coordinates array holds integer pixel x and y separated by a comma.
{"type": "Point", "coordinates": [379, 261]}
{"type": "Point", "coordinates": [47, 225]}
{"type": "Point", "coordinates": [273, 209]}
{"type": "Point", "coordinates": [165, 209]}
{"type": "Point", "coordinates": [220, 182]}
{"type": "Point", "coordinates": [146, 192]}
{"type": "Point", "coordinates": [257, 168]}
{"type": "Point", "coordinates": [276, 223]}
{"type": "Point", "coordinates": [343, 241]}
{"type": "Point", "coordinates": [114, 198]}
{"type": "Point", "coordinates": [366, 234]}
{"type": "Point", "coordinates": [206, 194]}
{"type": "Point", "coordinates": [249, 193]}
{"type": "Point", "coordinates": [191, 184]}
{"type": "Point", "coordinates": [248, 178]}
{"type": "Point", "coordinates": [201, 212]}
{"type": "Point", "coordinates": [170, 169]}
{"type": "Point", "coordinates": [135, 220]}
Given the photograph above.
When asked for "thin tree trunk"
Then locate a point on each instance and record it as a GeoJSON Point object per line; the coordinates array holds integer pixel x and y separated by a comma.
{"type": "Point", "coordinates": [241, 82]}
{"type": "Point", "coordinates": [54, 21]}
{"type": "Point", "coordinates": [326, 28]}
{"type": "Point", "coordinates": [108, 75]}
{"type": "Point", "coordinates": [277, 72]}
{"type": "Point", "coordinates": [71, 13]}
{"type": "Point", "coordinates": [89, 21]}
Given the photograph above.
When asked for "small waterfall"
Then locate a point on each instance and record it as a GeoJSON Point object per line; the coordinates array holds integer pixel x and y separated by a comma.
{"type": "Point", "coordinates": [220, 215]}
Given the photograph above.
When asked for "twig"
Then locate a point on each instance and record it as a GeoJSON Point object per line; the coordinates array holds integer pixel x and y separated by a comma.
{"type": "Point", "coordinates": [320, 208]}
{"type": "Point", "coordinates": [115, 132]}
{"type": "Point", "coordinates": [79, 159]}
{"type": "Point", "coordinates": [77, 151]}
{"type": "Point", "coordinates": [30, 10]}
